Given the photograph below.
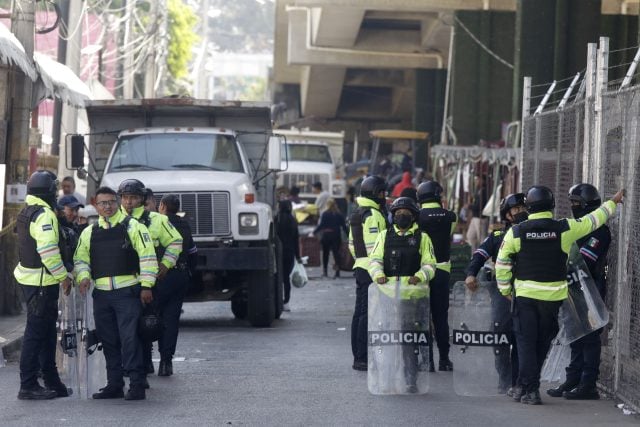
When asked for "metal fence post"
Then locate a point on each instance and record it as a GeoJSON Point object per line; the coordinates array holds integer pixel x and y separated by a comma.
{"type": "Point", "coordinates": [559, 152]}
{"type": "Point", "coordinates": [590, 88]}
{"type": "Point", "coordinates": [601, 85]}
{"type": "Point", "coordinates": [526, 107]}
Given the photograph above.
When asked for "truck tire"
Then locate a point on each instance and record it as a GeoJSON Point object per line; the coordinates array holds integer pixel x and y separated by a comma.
{"type": "Point", "coordinates": [261, 298]}
{"type": "Point", "coordinates": [239, 308]}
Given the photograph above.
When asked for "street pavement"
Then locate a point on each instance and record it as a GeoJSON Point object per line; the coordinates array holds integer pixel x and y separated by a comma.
{"type": "Point", "coordinates": [297, 372]}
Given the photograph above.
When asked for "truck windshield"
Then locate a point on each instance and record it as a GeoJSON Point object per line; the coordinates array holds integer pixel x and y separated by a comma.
{"type": "Point", "coordinates": [172, 151]}
{"type": "Point", "coordinates": [307, 153]}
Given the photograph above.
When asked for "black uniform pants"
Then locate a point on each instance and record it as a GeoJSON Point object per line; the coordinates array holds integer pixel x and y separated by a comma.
{"type": "Point", "coordinates": [439, 296]}
{"type": "Point", "coordinates": [288, 258]}
{"type": "Point", "coordinates": [330, 243]}
{"type": "Point", "coordinates": [359, 321]}
{"type": "Point", "coordinates": [535, 325]}
{"type": "Point", "coordinates": [40, 336]}
{"type": "Point", "coordinates": [585, 359]}
{"type": "Point", "coordinates": [117, 313]}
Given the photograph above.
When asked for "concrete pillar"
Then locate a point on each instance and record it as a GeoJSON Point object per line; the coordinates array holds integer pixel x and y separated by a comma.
{"type": "Point", "coordinates": [429, 107]}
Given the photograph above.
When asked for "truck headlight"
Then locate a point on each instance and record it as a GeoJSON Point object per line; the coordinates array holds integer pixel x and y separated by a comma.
{"type": "Point", "coordinates": [248, 223]}
{"type": "Point", "coordinates": [337, 190]}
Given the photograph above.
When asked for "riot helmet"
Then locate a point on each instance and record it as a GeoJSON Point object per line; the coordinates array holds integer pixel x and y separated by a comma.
{"type": "Point", "coordinates": [150, 325]}
{"type": "Point", "coordinates": [132, 186]}
{"type": "Point", "coordinates": [539, 199]}
{"type": "Point", "coordinates": [584, 199]}
{"type": "Point", "coordinates": [430, 191]}
{"type": "Point", "coordinates": [372, 186]}
{"type": "Point", "coordinates": [511, 201]}
{"type": "Point", "coordinates": [42, 183]}
{"type": "Point", "coordinates": [405, 203]}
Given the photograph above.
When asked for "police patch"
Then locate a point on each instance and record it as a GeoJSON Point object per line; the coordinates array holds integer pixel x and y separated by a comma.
{"type": "Point", "coordinates": [47, 227]}
{"type": "Point", "coordinates": [145, 237]}
{"type": "Point", "coordinates": [593, 242]}
{"type": "Point", "coordinates": [411, 241]}
{"type": "Point", "coordinates": [373, 229]}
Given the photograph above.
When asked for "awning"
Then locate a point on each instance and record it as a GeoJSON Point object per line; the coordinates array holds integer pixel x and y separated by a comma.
{"type": "Point", "coordinates": [12, 53]}
{"type": "Point", "coordinates": [57, 80]}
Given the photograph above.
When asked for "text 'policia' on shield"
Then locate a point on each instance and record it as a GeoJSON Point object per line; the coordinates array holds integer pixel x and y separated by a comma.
{"type": "Point", "coordinates": [479, 338]}
{"type": "Point", "coordinates": [398, 338]}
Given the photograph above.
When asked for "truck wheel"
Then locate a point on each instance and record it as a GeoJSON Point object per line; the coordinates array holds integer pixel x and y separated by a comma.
{"type": "Point", "coordinates": [261, 298]}
{"type": "Point", "coordinates": [239, 308]}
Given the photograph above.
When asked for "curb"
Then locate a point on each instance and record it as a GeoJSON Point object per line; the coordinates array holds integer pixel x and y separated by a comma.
{"type": "Point", "coordinates": [13, 344]}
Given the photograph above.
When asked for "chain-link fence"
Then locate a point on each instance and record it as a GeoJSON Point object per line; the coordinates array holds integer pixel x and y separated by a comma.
{"type": "Point", "coordinates": [554, 147]}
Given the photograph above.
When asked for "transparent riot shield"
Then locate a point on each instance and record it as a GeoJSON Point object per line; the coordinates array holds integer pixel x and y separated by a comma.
{"type": "Point", "coordinates": [93, 367]}
{"type": "Point", "coordinates": [584, 310]}
{"type": "Point", "coordinates": [398, 339]}
{"type": "Point", "coordinates": [481, 330]}
{"type": "Point", "coordinates": [67, 357]}
{"type": "Point", "coordinates": [554, 367]}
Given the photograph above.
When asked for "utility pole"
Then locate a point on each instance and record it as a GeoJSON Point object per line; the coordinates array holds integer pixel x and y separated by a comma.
{"type": "Point", "coordinates": [63, 33]}
{"type": "Point", "coordinates": [150, 66]}
{"type": "Point", "coordinates": [128, 74]}
{"type": "Point", "coordinates": [69, 118]}
{"type": "Point", "coordinates": [17, 157]}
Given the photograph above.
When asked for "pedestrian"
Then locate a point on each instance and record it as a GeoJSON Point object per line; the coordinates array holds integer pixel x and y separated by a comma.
{"type": "Point", "coordinates": [321, 197]}
{"type": "Point", "coordinates": [150, 201]}
{"type": "Point", "coordinates": [405, 182]}
{"type": "Point", "coordinates": [170, 292]}
{"type": "Point", "coordinates": [69, 189]}
{"type": "Point", "coordinates": [512, 212]}
{"type": "Point", "coordinates": [70, 207]}
{"type": "Point", "coordinates": [330, 228]}
{"type": "Point", "coordinates": [166, 239]}
{"type": "Point", "coordinates": [438, 223]}
{"type": "Point", "coordinates": [478, 223]}
{"type": "Point", "coordinates": [287, 231]}
{"type": "Point", "coordinates": [294, 195]}
{"type": "Point", "coordinates": [40, 272]}
{"type": "Point", "coordinates": [365, 224]}
{"type": "Point", "coordinates": [539, 248]}
{"type": "Point", "coordinates": [583, 371]}
{"type": "Point", "coordinates": [116, 254]}
{"type": "Point", "coordinates": [404, 256]}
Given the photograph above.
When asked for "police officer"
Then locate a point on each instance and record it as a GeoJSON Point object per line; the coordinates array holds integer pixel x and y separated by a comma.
{"type": "Point", "coordinates": [403, 253]}
{"type": "Point", "coordinates": [541, 246]}
{"type": "Point", "coordinates": [166, 240]}
{"type": "Point", "coordinates": [170, 292]}
{"type": "Point", "coordinates": [439, 224]}
{"type": "Point", "coordinates": [512, 211]}
{"type": "Point", "coordinates": [117, 254]}
{"type": "Point", "coordinates": [582, 372]}
{"type": "Point", "coordinates": [365, 224]}
{"type": "Point", "coordinates": [40, 272]}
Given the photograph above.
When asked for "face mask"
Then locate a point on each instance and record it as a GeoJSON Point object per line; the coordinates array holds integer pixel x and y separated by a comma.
{"type": "Point", "coordinates": [403, 221]}
{"type": "Point", "coordinates": [519, 217]}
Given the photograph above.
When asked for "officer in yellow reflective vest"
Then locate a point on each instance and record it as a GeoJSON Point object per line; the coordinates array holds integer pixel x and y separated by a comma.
{"type": "Point", "coordinates": [539, 248]}
{"type": "Point", "coordinates": [166, 239]}
{"type": "Point", "coordinates": [40, 273]}
{"type": "Point", "coordinates": [117, 254]}
{"type": "Point", "coordinates": [365, 224]}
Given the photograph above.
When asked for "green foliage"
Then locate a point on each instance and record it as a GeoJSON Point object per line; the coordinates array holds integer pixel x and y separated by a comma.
{"type": "Point", "coordinates": [244, 26]}
{"type": "Point", "coordinates": [182, 37]}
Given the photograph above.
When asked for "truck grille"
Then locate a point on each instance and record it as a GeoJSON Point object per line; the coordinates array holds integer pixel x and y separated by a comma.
{"type": "Point", "coordinates": [303, 181]}
{"type": "Point", "coordinates": [207, 213]}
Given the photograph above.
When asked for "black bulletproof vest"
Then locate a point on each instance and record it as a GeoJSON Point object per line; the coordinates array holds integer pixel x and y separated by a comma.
{"type": "Point", "coordinates": [541, 258]}
{"type": "Point", "coordinates": [356, 221]}
{"type": "Point", "coordinates": [112, 253]}
{"type": "Point", "coordinates": [401, 253]}
{"type": "Point", "coordinates": [27, 246]}
{"type": "Point", "coordinates": [436, 222]}
{"type": "Point", "coordinates": [183, 228]}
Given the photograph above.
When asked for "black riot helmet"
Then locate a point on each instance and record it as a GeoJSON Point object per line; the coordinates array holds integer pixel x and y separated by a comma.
{"type": "Point", "coordinates": [372, 186]}
{"type": "Point", "coordinates": [42, 183]}
{"type": "Point", "coordinates": [150, 325]}
{"type": "Point", "coordinates": [430, 191]}
{"type": "Point", "coordinates": [405, 203]}
{"type": "Point", "coordinates": [539, 199]}
{"type": "Point", "coordinates": [510, 201]}
{"type": "Point", "coordinates": [132, 186]}
{"type": "Point", "coordinates": [584, 199]}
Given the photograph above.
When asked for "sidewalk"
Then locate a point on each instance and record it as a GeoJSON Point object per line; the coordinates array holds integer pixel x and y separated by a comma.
{"type": "Point", "coordinates": [11, 330]}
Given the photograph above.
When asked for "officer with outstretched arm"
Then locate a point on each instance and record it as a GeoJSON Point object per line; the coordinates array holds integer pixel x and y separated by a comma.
{"type": "Point", "coordinates": [541, 247]}
{"type": "Point", "coordinates": [118, 256]}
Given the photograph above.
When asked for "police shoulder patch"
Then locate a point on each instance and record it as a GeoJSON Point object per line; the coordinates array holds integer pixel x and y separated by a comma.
{"type": "Point", "coordinates": [47, 227]}
{"type": "Point", "coordinates": [593, 242]}
{"type": "Point", "coordinates": [145, 237]}
{"type": "Point", "coordinates": [373, 229]}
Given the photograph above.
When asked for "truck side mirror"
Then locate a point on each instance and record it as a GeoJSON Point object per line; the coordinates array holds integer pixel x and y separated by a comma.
{"type": "Point", "coordinates": [77, 151]}
{"type": "Point", "coordinates": [274, 161]}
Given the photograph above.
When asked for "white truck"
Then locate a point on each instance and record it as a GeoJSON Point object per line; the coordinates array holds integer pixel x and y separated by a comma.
{"type": "Point", "coordinates": [219, 158]}
{"type": "Point", "coordinates": [313, 157]}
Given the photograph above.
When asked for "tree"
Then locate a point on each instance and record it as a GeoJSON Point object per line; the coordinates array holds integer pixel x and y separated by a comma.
{"type": "Point", "coordinates": [182, 37]}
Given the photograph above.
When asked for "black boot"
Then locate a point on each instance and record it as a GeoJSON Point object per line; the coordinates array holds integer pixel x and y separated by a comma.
{"type": "Point", "coordinates": [445, 365]}
{"type": "Point", "coordinates": [59, 387]}
{"type": "Point", "coordinates": [109, 392]}
{"type": "Point", "coordinates": [136, 392]}
{"type": "Point", "coordinates": [149, 368]}
{"type": "Point", "coordinates": [36, 392]}
{"type": "Point", "coordinates": [360, 365]}
{"type": "Point", "coordinates": [559, 391]}
{"type": "Point", "coordinates": [531, 398]}
{"type": "Point", "coordinates": [324, 272]}
{"type": "Point", "coordinates": [583, 392]}
{"type": "Point", "coordinates": [166, 368]}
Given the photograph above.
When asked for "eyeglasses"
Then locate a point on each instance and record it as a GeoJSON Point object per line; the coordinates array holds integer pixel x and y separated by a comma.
{"type": "Point", "coordinates": [107, 203]}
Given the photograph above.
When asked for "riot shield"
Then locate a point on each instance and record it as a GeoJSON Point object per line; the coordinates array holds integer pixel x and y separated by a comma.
{"type": "Point", "coordinates": [398, 339]}
{"type": "Point", "coordinates": [481, 330]}
{"type": "Point", "coordinates": [584, 310]}
{"type": "Point", "coordinates": [93, 367]}
{"type": "Point", "coordinates": [558, 358]}
{"type": "Point", "coordinates": [67, 357]}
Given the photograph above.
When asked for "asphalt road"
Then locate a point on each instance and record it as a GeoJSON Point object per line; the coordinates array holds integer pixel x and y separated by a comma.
{"type": "Point", "coordinates": [297, 372]}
